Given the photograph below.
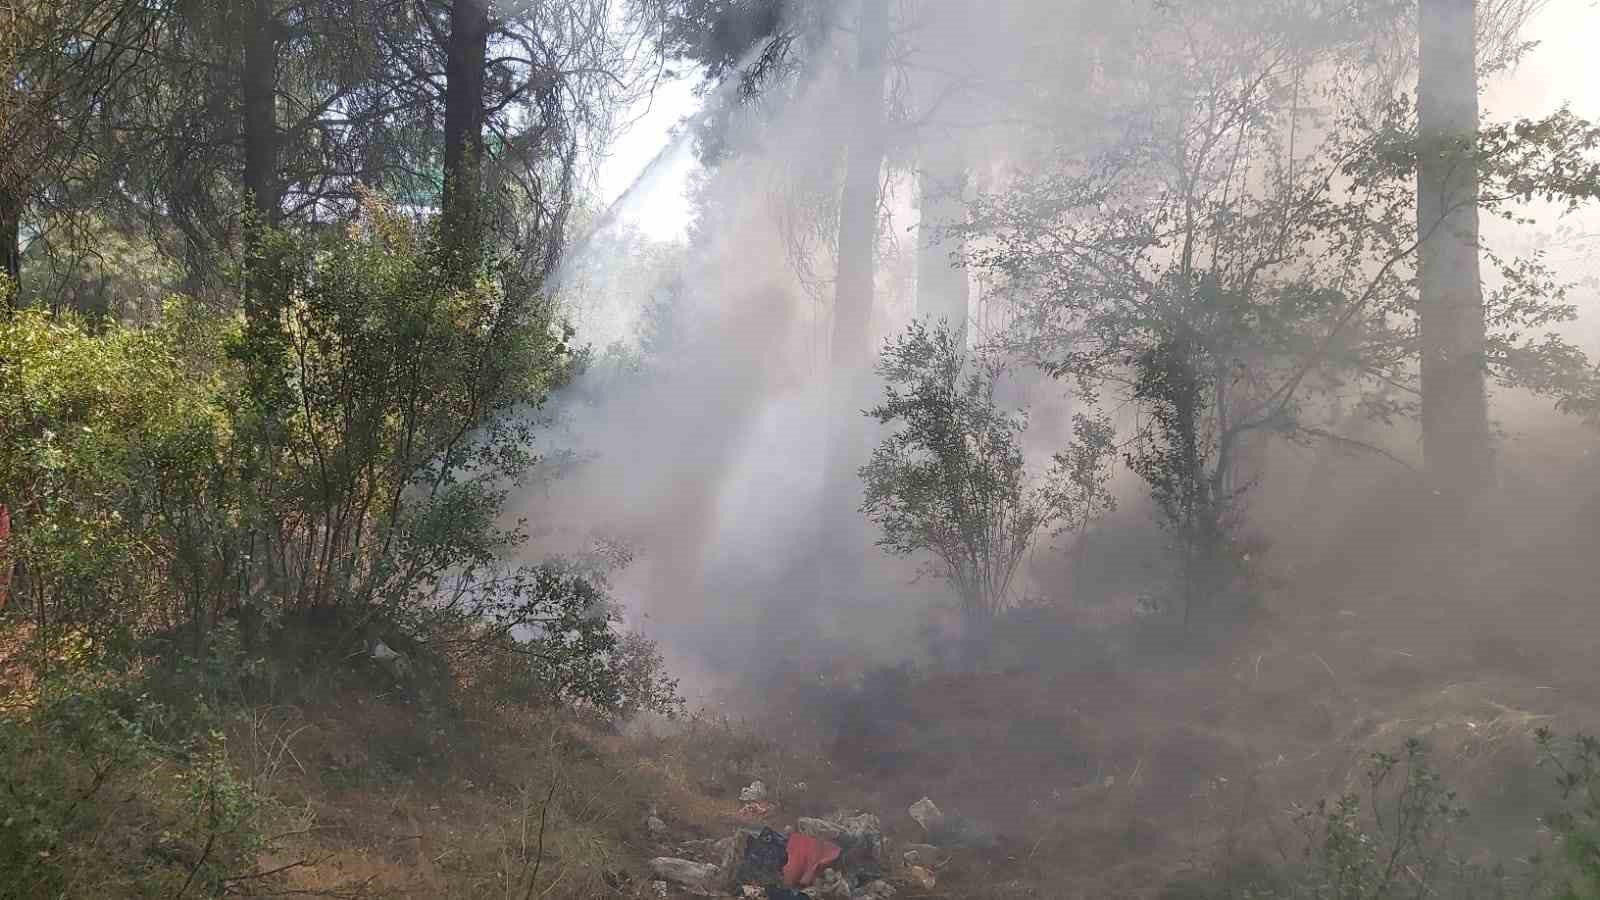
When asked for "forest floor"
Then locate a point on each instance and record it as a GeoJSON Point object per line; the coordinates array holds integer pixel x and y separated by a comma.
{"type": "Point", "coordinates": [1118, 772]}
{"type": "Point", "coordinates": [1097, 755]}
{"type": "Point", "coordinates": [1122, 764]}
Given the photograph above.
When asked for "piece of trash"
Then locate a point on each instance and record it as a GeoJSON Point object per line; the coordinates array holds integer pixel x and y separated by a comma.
{"type": "Point", "coordinates": [757, 810]}
{"type": "Point", "coordinates": [755, 793]}
{"type": "Point", "coordinates": [927, 814]}
{"type": "Point", "coordinates": [698, 877]}
{"type": "Point", "coordinates": [832, 885]}
{"type": "Point", "coordinates": [807, 856]}
{"type": "Point", "coordinates": [757, 857]}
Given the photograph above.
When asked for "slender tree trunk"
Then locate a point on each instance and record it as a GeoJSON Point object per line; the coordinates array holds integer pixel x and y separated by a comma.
{"type": "Point", "coordinates": [260, 110]}
{"type": "Point", "coordinates": [840, 527]}
{"type": "Point", "coordinates": [11, 238]}
{"type": "Point", "coordinates": [850, 362]}
{"type": "Point", "coordinates": [466, 56]}
{"type": "Point", "coordinates": [858, 206]}
{"type": "Point", "coordinates": [262, 295]}
{"type": "Point", "coordinates": [943, 291]}
{"type": "Point", "coordinates": [1455, 415]}
{"type": "Point", "coordinates": [851, 344]}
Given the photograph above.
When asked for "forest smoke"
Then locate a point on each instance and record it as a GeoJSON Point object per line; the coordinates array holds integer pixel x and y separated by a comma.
{"type": "Point", "coordinates": [702, 431]}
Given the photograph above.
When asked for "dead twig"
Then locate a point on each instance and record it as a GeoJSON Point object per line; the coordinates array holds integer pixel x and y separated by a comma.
{"type": "Point", "coordinates": [1325, 665]}
{"type": "Point", "coordinates": [268, 873]}
{"type": "Point", "coordinates": [544, 817]}
{"type": "Point", "coordinates": [211, 838]}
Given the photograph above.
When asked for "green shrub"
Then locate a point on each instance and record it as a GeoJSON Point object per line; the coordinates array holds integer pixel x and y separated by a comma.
{"type": "Point", "coordinates": [1399, 843]}
{"type": "Point", "coordinates": [93, 805]}
{"type": "Point", "coordinates": [110, 436]}
{"type": "Point", "coordinates": [332, 465]}
{"type": "Point", "coordinates": [386, 405]}
{"type": "Point", "coordinates": [951, 480]}
{"type": "Point", "coordinates": [560, 623]}
{"type": "Point", "coordinates": [1394, 840]}
{"type": "Point", "coordinates": [1577, 827]}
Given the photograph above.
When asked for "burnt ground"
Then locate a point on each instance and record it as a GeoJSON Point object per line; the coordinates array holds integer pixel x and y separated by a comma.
{"type": "Point", "coordinates": [1114, 757]}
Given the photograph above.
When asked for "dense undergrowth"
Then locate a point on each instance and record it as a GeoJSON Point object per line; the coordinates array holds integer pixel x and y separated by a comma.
{"type": "Point", "coordinates": [221, 515]}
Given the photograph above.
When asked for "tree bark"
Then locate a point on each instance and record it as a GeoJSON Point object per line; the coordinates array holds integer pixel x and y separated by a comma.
{"type": "Point", "coordinates": [858, 207]}
{"type": "Point", "coordinates": [943, 291]}
{"type": "Point", "coordinates": [840, 527]}
{"type": "Point", "coordinates": [466, 56]}
{"type": "Point", "coordinates": [851, 344]}
{"type": "Point", "coordinates": [260, 110]}
{"type": "Point", "coordinates": [11, 238]}
{"type": "Point", "coordinates": [1455, 415]}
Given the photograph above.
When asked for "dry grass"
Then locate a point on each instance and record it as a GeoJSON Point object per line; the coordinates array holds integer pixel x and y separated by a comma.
{"type": "Point", "coordinates": [523, 805]}
{"type": "Point", "coordinates": [1104, 776]}
{"type": "Point", "coordinates": [1108, 765]}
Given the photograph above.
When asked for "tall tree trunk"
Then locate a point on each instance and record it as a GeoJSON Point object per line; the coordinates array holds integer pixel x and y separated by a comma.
{"type": "Point", "coordinates": [260, 110]}
{"type": "Point", "coordinates": [943, 291]}
{"type": "Point", "coordinates": [1455, 414]}
{"type": "Point", "coordinates": [858, 205]}
{"type": "Point", "coordinates": [11, 237]}
{"type": "Point", "coordinates": [263, 294]}
{"type": "Point", "coordinates": [466, 56]}
{"type": "Point", "coordinates": [851, 346]}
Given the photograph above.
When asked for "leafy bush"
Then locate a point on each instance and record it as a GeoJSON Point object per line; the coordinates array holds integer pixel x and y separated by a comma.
{"type": "Point", "coordinates": [561, 620]}
{"type": "Point", "coordinates": [1397, 841]}
{"type": "Point", "coordinates": [1577, 767]}
{"type": "Point", "coordinates": [386, 409]}
{"type": "Point", "coordinates": [111, 436]}
{"type": "Point", "coordinates": [333, 464]}
{"type": "Point", "coordinates": [1392, 841]}
{"type": "Point", "coordinates": [1398, 847]}
{"type": "Point", "coordinates": [952, 480]}
{"type": "Point", "coordinates": [92, 804]}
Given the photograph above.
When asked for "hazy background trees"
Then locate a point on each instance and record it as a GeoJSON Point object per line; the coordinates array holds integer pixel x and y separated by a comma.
{"type": "Point", "coordinates": [324, 343]}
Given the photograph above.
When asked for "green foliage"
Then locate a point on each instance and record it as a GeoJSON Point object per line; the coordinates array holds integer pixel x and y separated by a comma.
{"type": "Point", "coordinates": [342, 457]}
{"type": "Point", "coordinates": [1397, 843]}
{"type": "Point", "coordinates": [109, 436]}
{"type": "Point", "coordinates": [1398, 847]}
{"type": "Point", "coordinates": [1179, 456]}
{"type": "Point", "coordinates": [387, 413]}
{"type": "Point", "coordinates": [562, 620]}
{"type": "Point", "coordinates": [56, 763]}
{"type": "Point", "coordinates": [1555, 160]}
{"type": "Point", "coordinates": [93, 804]}
{"type": "Point", "coordinates": [1577, 827]}
{"type": "Point", "coordinates": [90, 265]}
{"type": "Point", "coordinates": [760, 45]}
{"type": "Point", "coordinates": [952, 481]}
{"type": "Point", "coordinates": [1396, 839]}
{"type": "Point", "coordinates": [717, 34]}
{"type": "Point", "coordinates": [1231, 281]}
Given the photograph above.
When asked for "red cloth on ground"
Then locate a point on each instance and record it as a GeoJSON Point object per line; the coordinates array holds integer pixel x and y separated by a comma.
{"type": "Point", "coordinates": [807, 857]}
